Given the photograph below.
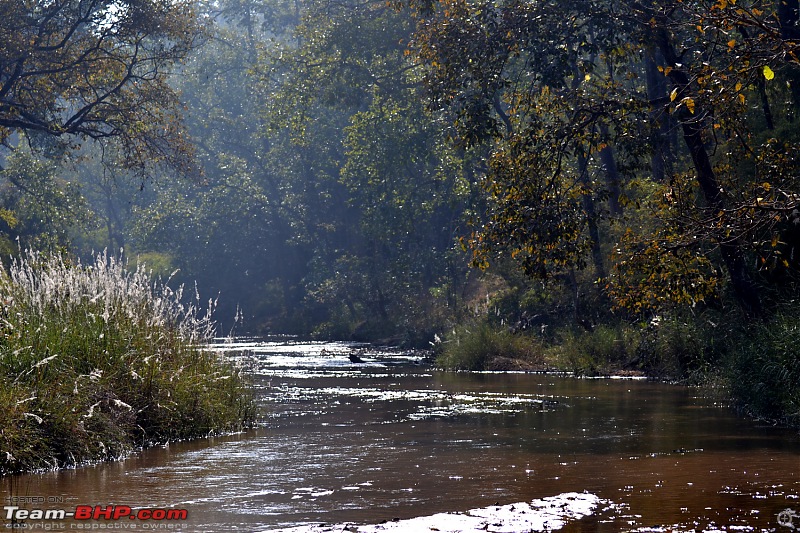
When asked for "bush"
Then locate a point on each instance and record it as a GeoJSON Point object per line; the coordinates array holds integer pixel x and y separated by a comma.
{"type": "Point", "coordinates": [683, 347]}
{"type": "Point", "coordinates": [601, 351]}
{"type": "Point", "coordinates": [98, 360]}
{"type": "Point", "coordinates": [475, 347]}
{"type": "Point", "coordinates": [764, 370]}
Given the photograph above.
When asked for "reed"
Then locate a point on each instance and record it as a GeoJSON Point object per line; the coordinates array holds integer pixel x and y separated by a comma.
{"type": "Point", "coordinates": [98, 360]}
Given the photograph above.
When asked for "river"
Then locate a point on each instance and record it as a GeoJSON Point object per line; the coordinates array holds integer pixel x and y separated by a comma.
{"type": "Point", "coordinates": [390, 438]}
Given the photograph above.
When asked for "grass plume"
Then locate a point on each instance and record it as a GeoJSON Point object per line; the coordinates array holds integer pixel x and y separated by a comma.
{"type": "Point", "coordinates": [97, 360]}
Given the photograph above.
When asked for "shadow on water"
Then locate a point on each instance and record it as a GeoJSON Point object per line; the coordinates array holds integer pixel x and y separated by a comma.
{"type": "Point", "coordinates": [387, 439]}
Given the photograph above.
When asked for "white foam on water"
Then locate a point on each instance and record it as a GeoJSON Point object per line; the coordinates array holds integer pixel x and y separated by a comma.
{"type": "Point", "coordinates": [544, 514]}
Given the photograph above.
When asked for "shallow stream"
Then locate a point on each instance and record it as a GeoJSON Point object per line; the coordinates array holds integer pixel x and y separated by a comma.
{"type": "Point", "coordinates": [389, 438]}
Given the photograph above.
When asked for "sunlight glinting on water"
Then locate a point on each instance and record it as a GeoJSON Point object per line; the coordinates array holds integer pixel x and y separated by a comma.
{"type": "Point", "coordinates": [263, 357]}
{"type": "Point", "coordinates": [345, 442]}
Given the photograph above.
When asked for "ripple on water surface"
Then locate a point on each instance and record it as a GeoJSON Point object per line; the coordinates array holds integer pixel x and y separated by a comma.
{"type": "Point", "coordinates": [360, 443]}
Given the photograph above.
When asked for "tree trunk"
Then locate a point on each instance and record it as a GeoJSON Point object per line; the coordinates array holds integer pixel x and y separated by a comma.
{"type": "Point", "coordinates": [661, 159]}
{"type": "Point", "coordinates": [612, 175]}
{"type": "Point", "coordinates": [762, 91]}
{"type": "Point", "coordinates": [745, 289]}
{"type": "Point", "coordinates": [789, 16]}
{"type": "Point", "coordinates": [591, 219]}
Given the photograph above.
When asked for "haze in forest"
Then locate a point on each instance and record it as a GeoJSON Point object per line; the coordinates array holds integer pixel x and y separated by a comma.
{"type": "Point", "coordinates": [614, 182]}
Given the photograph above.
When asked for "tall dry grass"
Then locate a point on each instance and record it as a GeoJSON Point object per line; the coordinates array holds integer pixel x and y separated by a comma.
{"type": "Point", "coordinates": [97, 360]}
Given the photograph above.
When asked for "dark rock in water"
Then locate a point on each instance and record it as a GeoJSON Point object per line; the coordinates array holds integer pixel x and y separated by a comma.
{"type": "Point", "coordinates": [355, 359]}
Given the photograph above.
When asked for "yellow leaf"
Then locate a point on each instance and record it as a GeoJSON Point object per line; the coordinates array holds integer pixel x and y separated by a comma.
{"type": "Point", "coordinates": [768, 72]}
{"type": "Point", "coordinates": [731, 43]}
{"type": "Point", "coordinates": [689, 104]}
{"type": "Point", "coordinates": [766, 186]}
{"type": "Point", "coordinates": [741, 98]}
{"type": "Point", "coordinates": [673, 95]}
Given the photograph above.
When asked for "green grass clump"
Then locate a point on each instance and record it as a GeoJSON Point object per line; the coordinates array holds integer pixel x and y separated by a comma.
{"type": "Point", "coordinates": [475, 347]}
{"type": "Point", "coordinates": [97, 360]}
{"type": "Point", "coordinates": [604, 350]}
{"type": "Point", "coordinates": [763, 370]}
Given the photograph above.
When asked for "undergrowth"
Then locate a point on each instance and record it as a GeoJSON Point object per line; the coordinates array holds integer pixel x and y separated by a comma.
{"type": "Point", "coordinates": [603, 350]}
{"type": "Point", "coordinates": [763, 370]}
{"type": "Point", "coordinates": [477, 346]}
{"type": "Point", "coordinates": [755, 365]}
{"type": "Point", "coordinates": [97, 360]}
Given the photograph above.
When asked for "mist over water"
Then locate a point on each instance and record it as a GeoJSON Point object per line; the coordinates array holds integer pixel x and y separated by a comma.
{"type": "Point", "coordinates": [387, 438]}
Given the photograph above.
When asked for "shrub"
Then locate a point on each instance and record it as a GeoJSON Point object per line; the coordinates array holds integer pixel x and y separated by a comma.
{"type": "Point", "coordinates": [475, 347]}
{"type": "Point", "coordinates": [764, 370]}
{"type": "Point", "coordinates": [98, 360]}
{"type": "Point", "coordinates": [600, 351]}
{"type": "Point", "coordinates": [682, 347]}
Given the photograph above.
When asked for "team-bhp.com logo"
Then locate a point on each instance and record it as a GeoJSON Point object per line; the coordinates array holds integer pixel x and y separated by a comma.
{"type": "Point", "coordinates": [89, 516]}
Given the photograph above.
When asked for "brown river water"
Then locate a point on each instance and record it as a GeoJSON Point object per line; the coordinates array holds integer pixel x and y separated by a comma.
{"type": "Point", "coordinates": [388, 438]}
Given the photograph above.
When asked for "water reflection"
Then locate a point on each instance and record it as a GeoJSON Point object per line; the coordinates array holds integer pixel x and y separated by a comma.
{"type": "Point", "coordinates": [389, 439]}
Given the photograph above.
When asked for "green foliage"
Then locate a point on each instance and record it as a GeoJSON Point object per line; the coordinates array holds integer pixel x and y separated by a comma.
{"type": "Point", "coordinates": [764, 369]}
{"type": "Point", "coordinates": [551, 99]}
{"type": "Point", "coordinates": [97, 360]}
{"type": "Point", "coordinates": [683, 346]}
{"type": "Point", "coordinates": [572, 99]}
{"type": "Point", "coordinates": [40, 209]}
{"type": "Point", "coordinates": [608, 161]}
{"type": "Point", "coordinates": [72, 71]}
{"type": "Point", "coordinates": [361, 173]}
{"type": "Point", "coordinates": [476, 346]}
{"type": "Point", "coordinates": [606, 349]}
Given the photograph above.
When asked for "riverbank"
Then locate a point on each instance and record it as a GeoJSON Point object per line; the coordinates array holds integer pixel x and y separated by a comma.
{"type": "Point", "coordinates": [98, 360]}
{"type": "Point", "coordinates": [753, 366]}
{"type": "Point", "coordinates": [368, 443]}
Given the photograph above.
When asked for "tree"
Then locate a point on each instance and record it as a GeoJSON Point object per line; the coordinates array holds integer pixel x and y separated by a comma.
{"type": "Point", "coordinates": [551, 87]}
{"type": "Point", "coordinates": [72, 70]}
{"type": "Point", "coordinates": [41, 211]}
{"type": "Point", "coordinates": [231, 231]}
{"type": "Point", "coordinates": [366, 165]}
{"type": "Point", "coordinates": [546, 88]}
{"type": "Point", "coordinates": [719, 57]}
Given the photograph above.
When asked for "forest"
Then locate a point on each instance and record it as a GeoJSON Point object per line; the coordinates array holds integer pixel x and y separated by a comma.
{"type": "Point", "coordinates": [606, 185]}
